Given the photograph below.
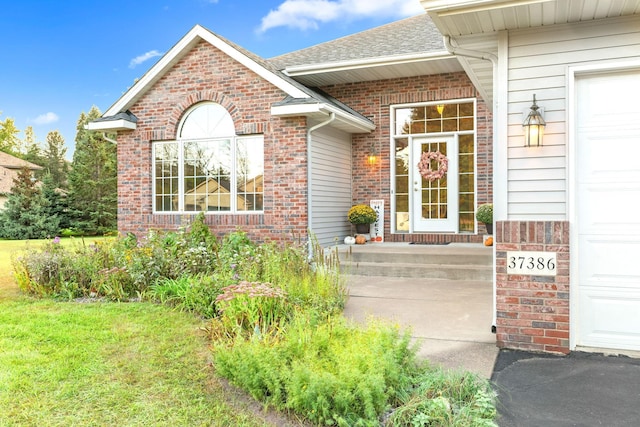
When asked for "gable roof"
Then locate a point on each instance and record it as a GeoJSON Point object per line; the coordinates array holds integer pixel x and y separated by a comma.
{"type": "Point", "coordinates": [9, 167]}
{"type": "Point", "coordinates": [116, 117]}
{"type": "Point", "coordinates": [6, 180]}
{"type": "Point", "coordinates": [12, 162]}
{"type": "Point", "coordinates": [409, 47]}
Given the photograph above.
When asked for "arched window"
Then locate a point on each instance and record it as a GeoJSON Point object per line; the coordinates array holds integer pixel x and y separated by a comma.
{"type": "Point", "coordinates": [209, 168]}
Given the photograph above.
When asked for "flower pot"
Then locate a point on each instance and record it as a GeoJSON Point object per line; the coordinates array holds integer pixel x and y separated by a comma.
{"type": "Point", "coordinates": [363, 228]}
{"type": "Point", "coordinates": [489, 227]}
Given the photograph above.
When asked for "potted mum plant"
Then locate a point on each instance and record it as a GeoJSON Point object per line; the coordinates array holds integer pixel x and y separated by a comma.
{"type": "Point", "coordinates": [484, 214]}
{"type": "Point", "coordinates": [362, 216]}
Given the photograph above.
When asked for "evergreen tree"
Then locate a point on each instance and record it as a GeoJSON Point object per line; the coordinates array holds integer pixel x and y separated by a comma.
{"type": "Point", "coordinates": [56, 206]}
{"type": "Point", "coordinates": [55, 163]}
{"type": "Point", "coordinates": [25, 214]}
{"type": "Point", "coordinates": [93, 179]}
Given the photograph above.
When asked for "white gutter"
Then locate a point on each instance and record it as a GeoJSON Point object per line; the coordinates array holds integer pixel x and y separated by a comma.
{"type": "Point", "coordinates": [457, 51]}
{"type": "Point", "coordinates": [302, 70]}
{"type": "Point", "coordinates": [487, 56]}
{"type": "Point", "coordinates": [332, 117]}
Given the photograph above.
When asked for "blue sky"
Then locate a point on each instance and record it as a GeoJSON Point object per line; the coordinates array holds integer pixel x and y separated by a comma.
{"type": "Point", "coordinates": [62, 57]}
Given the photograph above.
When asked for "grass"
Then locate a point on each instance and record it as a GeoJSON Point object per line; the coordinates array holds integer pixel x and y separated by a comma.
{"type": "Point", "coordinates": [104, 364]}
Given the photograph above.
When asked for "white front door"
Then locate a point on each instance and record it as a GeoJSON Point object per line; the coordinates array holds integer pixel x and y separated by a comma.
{"type": "Point", "coordinates": [607, 263]}
{"type": "Point", "coordinates": [435, 202]}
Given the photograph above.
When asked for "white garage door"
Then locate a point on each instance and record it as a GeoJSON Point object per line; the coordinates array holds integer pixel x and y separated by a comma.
{"type": "Point", "coordinates": [608, 211]}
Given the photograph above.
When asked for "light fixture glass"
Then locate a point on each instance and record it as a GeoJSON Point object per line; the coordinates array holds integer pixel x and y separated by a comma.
{"type": "Point", "coordinates": [533, 126]}
{"type": "Point", "coordinates": [372, 158]}
{"type": "Point", "coordinates": [440, 108]}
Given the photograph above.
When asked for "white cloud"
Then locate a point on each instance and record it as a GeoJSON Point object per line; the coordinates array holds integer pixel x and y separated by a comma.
{"type": "Point", "coordinates": [45, 119]}
{"type": "Point", "coordinates": [144, 57]}
{"type": "Point", "coordinates": [308, 14]}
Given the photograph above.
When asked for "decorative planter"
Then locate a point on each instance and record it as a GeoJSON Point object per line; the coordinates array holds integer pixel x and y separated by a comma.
{"type": "Point", "coordinates": [363, 228]}
{"type": "Point", "coordinates": [489, 227]}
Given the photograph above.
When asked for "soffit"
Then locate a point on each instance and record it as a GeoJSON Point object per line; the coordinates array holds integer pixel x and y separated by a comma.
{"type": "Point", "coordinates": [465, 17]}
{"type": "Point", "coordinates": [385, 68]}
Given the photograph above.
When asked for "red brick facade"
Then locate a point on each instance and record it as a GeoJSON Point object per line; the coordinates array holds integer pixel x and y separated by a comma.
{"type": "Point", "coordinates": [373, 100]}
{"type": "Point", "coordinates": [533, 311]}
{"type": "Point", "coordinates": [206, 74]}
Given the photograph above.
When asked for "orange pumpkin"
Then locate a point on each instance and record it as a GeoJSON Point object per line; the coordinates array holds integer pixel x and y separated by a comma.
{"type": "Point", "coordinates": [360, 239]}
{"type": "Point", "coordinates": [488, 241]}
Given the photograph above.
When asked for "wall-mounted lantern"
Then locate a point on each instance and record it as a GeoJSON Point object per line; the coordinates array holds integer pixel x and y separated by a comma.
{"type": "Point", "coordinates": [372, 158]}
{"type": "Point", "coordinates": [533, 126]}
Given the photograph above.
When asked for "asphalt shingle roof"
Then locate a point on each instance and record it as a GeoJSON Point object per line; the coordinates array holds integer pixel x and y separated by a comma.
{"type": "Point", "coordinates": [316, 94]}
{"type": "Point", "coordinates": [12, 162]}
{"type": "Point", "coordinates": [417, 34]}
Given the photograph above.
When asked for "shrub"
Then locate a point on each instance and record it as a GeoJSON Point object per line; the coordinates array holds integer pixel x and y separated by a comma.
{"type": "Point", "coordinates": [362, 214]}
{"type": "Point", "coordinates": [446, 398]}
{"type": "Point", "coordinates": [252, 307]}
{"type": "Point", "coordinates": [485, 213]}
{"type": "Point", "coordinates": [193, 293]}
{"type": "Point", "coordinates": [328, 371]}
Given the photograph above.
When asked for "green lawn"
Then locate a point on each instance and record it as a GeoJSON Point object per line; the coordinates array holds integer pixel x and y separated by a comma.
{"type": "Point", "coordinates": [105, 364]}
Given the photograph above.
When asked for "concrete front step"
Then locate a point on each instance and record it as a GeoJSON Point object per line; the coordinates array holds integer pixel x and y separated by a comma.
{"type": "Point", "coordinates": [424, 271]}
{"type": "Point", "coordinates": [443, 262]}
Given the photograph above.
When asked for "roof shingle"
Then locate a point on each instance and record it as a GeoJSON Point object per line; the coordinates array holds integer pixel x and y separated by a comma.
{"type": "Point", "coordinates": [414, 35]}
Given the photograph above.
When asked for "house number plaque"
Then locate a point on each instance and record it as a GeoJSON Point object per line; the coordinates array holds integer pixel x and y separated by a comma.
{"type": "Point", "coordinates": [533, 263]}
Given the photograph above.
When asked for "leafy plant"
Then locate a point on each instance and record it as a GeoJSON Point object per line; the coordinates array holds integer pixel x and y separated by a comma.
{"type": "Point", "coordinates": [446, 398]}
{"type": "Point", "coordinates": [362, 214]}
{"type": "Point", "coordinates": [252, 307]}
{"type": "Point", "coordinates": [193, 293]}
{"type": "Point", "coordinates": [485, 213]}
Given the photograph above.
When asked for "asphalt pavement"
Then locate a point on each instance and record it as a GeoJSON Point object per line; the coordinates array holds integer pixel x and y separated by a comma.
{"type": "Point", "coordinates": [581, 389]}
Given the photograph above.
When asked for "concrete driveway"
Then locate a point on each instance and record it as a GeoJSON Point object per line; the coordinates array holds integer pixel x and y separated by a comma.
{"type": "Point", "coordinates": [450, 319]}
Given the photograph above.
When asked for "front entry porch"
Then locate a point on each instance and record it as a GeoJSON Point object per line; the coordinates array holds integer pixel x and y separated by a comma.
{"type": "Point", "coordinates": [443, 293]}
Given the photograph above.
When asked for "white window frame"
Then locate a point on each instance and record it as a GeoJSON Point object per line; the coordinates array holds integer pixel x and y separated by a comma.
{"type": "Point", "coordinates": [392, 140]}
{"type": "Point", "coordinates": [233, 190]}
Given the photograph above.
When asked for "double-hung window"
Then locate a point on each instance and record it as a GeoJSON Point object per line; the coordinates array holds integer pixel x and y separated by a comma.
{"type": "Point", "coordinates": [208, 168]}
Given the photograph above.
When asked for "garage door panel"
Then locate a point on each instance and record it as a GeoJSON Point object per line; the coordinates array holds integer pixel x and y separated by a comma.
{"type": "Point", "coordinates": [610, 262]}
{"type": "Point", "coordinates": [600, 164]}
{"type": "Point", "coordinates": [612, 318]}
{"type": "Point", "coordinates": [606, 209]}
{"type": "Point", "coordinates": [607, 203]}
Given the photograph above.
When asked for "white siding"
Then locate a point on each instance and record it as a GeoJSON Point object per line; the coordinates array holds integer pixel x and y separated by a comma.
{"type": "Point", "coordinates": [539, 61]}
{"type": "Point", "coordinates": [330, 185]}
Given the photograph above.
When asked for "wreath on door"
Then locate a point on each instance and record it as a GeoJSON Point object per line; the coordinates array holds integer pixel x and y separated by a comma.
{"type": "Point", "coordinates": [424, 165]}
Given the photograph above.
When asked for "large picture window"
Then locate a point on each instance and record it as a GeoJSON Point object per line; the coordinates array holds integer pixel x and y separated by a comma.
{"type": "Point", "coordinates": [209, 168]}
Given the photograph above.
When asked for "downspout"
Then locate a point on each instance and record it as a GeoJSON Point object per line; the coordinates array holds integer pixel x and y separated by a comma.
{"type": "Point", "coordinates": [487, 56]}
{"type": "Point", "coordinates": [106, 138]}
{"type": "Point", "coordinates": [332, 117]}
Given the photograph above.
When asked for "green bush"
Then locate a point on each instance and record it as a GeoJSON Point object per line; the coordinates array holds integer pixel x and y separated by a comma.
{"type": "Point", "coordinates": [193, 293]}
{"type": "Point", "coordinates": [329, 371]}
{"type": "Point", "coordinates": [485, 213]}
{"type": "Point", "coordinates": [446, 398]}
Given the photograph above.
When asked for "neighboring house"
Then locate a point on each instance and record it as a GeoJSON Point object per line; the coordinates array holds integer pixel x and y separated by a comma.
{"type": "Point", "coordinates": [306, 124]}
{"type": "Point", "coordinates": [576, 196]}
{"type": "Point", "coordinates": [9, 168]}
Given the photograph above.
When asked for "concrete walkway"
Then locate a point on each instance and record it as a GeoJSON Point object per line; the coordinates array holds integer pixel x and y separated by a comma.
{"type": "Point", "coordinates": [450, 319]}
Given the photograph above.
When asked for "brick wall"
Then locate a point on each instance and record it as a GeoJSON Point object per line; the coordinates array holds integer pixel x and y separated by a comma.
{"type": "Point", "coordinates": [533, 311]}
{"type": "Point", "coordinates": [373, 100]}
{"type": "Point", "coordinates": [206, 74]}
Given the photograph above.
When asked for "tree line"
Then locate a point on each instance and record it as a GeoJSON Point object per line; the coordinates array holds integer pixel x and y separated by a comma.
{"type": "Point", "coordinates": [63, 198]}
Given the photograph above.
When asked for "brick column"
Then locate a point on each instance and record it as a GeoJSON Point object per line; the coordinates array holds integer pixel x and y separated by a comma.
{"type": "Point", "coordinates": [533, 311]}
